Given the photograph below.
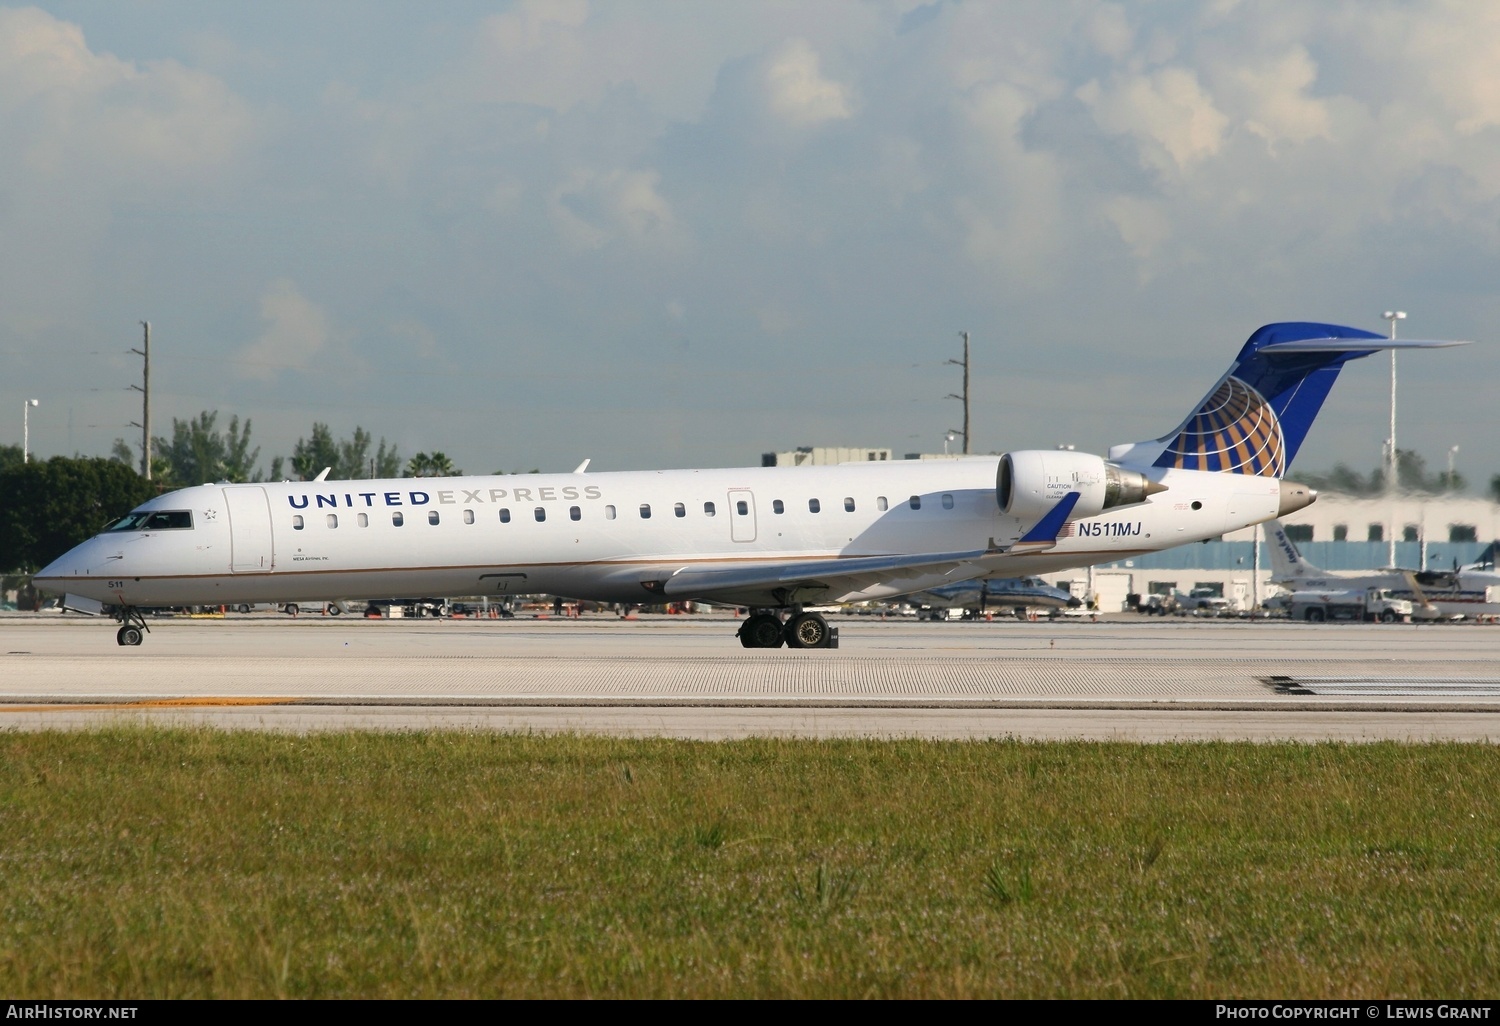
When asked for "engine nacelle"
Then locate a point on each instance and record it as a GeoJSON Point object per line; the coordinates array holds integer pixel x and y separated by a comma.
{"type": "Point", "coordinates": [1033, 481]}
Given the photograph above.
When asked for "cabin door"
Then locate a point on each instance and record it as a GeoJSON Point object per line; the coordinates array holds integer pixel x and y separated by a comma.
{"type": "Point", "coordinates": [741, 515]}
{"type": "Point", "coordinates": [250, 549]}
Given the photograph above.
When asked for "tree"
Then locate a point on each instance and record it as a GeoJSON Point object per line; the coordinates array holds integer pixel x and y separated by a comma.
{"type": "Point", "coordinates": [348, 459]}
{"type": "Point", "coordinates": [10, 456]}
{"type": "Point", "coordinates": [435, 465]}
{"type": "Point", "coordinates": [1411, 473]}
{"type": "Point", "coordinates": [53, 505]}
{"type": "Point", "coordinates": [198, 452]}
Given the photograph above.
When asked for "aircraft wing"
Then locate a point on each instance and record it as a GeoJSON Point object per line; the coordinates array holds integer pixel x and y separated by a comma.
{"type": "Point", "coordinates": [810, 580]}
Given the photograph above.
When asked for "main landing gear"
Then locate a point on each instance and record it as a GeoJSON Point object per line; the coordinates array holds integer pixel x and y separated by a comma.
{"type": "Point", "coordinates": [763, 628]}
{"type": "Point", "coordinates": [133, 629]}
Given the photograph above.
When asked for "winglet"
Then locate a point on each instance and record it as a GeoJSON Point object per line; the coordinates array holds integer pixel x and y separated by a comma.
{"type": "Point", "coordinates": [324, 475]}
{"type": "Point", "coordinates": [1044, 534]}
{"type": "Point", "coordinates": [583, 466]}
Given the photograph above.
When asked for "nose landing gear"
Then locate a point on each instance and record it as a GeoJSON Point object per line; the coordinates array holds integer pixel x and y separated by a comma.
{"type": "Point", "coordinates": [133, 629]}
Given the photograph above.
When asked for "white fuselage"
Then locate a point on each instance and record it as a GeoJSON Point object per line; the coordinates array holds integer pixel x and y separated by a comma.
{"type": "Point", "coordinates": [588, 536]}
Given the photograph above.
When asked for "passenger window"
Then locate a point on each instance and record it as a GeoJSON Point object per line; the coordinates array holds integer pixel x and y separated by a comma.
{"type": "Point", "coordinates": [848, 504]}
{"type": "Point", "coordinates": [679, 510]}
{"type": "Point", "coordinates": [468, 516]}
{"type": "Point", "coordinates": [947, 501]}
{"type": "Point", "coordinates": [504, 515]}
{"type": "Point", "coordinates": [916, 502]}
{"type": "Point", "coordinates": [609, 512]}
{"type": "Point", "coordinates": [574, 513]}
{"type": "Point", "coordinates": [296, 523]}
{"type": "Point", "coordinates": [645, 511]}
{"type": "Point", "coordinates": [432, 516]}
{"type": "Point", "coordinates": [397, 520]}
{"type": "Point", "coordinates": [813, 505]}
{"type": "Point", "coordinates": [880, 503]}
{"type": "Point", "coordinates": [777, 506]}
{"type": "Point", "coordinates": [333, 520]}
{"type": "Point", "coordinates": [708, 509]}
{"type": "Point", "coordinates": [742, 507]}
{"type": "Point", "coordinates": [541, 514]}
{"type": "Point", "coordinates": [364, 520]}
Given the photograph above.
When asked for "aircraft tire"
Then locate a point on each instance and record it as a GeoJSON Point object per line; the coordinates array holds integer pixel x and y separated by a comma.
{"type": "Point", "coordinates": [807, 630]}
{"type": "Point", "coordinates": [761, 631]}
{"type": "Point", "coordinates": [129, 635]}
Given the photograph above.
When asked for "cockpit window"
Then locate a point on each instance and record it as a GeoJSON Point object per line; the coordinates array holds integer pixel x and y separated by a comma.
{"type": "Point", "coordinates": [155, 520]}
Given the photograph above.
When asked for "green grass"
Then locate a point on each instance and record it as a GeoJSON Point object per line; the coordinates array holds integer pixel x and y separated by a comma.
{"type": "Point", "coordinates": [157, 864]}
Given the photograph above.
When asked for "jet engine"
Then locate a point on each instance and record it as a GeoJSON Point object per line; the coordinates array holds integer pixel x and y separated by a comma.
{"type": "Point", "coordinates": [1033, 481]}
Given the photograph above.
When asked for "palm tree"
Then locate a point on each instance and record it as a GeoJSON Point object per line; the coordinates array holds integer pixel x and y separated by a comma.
{"type": "Point", "coordinates": [435, 465]}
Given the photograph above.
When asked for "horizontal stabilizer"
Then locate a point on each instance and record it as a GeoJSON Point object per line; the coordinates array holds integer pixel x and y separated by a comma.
{"type": "Point", "coordinates": [1357, 345]}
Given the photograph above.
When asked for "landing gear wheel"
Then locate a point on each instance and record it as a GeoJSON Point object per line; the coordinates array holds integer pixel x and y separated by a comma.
{"type": "Point", "coordinates": [807, 630]}
{"type": "Point", "coordinates": [129, 635]}
{"type": "Point", "coordinates": [763, 630]}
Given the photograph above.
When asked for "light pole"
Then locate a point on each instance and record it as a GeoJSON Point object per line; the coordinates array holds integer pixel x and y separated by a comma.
{"type": "Point", "coordinates": [1452, 452]}
{"type": "Point", "coordinates": [26, 429]}
{"type": "Point", "coordinates": [946, 439]}
{"type": "Point", "coordinates": [1390, 481]}
{"type": "Point", "coordinates": [1393, 316]}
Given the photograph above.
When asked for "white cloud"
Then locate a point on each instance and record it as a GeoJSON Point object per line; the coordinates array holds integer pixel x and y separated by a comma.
{"type": "Point", "coordinates": [296, 331]}
{"type": "Point", "coordinates": [1167, 111]}
{"type": "Point", "coordinates": [592, 209]}
{"type": "Point", "coordinates": [796, 90]}
{"type": "Point", "coordinates": [64, 107]}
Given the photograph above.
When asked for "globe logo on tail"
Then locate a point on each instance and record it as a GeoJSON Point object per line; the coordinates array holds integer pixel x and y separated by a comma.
{"type": "Point", "coordinates": [1234, 432]}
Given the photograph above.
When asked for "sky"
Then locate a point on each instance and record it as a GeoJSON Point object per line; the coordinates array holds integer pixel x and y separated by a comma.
{"type": "Point", "coordinates": [681, 234]}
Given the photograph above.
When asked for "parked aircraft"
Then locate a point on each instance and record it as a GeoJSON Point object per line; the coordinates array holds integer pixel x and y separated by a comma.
{"type": "Point", "coordinates": [776, 539]}
{"type": "Point", "coordinates": [1468, 592]}
{"type": "Point", "coordinates": [1017, 594]}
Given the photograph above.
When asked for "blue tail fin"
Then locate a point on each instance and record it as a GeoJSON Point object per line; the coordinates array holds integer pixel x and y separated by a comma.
{"type": "Point", "coordinates": [1254, 420]}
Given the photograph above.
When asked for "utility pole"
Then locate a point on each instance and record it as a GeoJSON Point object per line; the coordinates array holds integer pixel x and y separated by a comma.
{"type": "Point", "coordinates": [964, 363]}
{"type": "Point", "coordinates": [145, 389]}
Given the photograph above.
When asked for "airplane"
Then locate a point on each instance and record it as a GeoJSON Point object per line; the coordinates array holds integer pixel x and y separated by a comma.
{"type": "Point", "coordinates": [1018, 594]}
{"type": "Point", "coordinates": [773, 539]}
{"type": "Point", "coordinates": [1470, 591]}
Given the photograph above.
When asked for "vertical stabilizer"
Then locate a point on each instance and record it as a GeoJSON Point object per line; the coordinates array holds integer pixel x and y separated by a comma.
{"type": "Point", "coordinates": [1255, 418]}
{"type": "Point", "coordinates": [1287, 563]}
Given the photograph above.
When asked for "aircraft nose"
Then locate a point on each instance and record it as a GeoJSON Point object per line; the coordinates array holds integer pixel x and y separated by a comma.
{"type": "Point", "coordinates": [83, 560]}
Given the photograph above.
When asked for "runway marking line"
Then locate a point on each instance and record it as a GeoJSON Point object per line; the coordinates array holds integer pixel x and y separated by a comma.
{"type": "Point", "coordinates": [156, 703]}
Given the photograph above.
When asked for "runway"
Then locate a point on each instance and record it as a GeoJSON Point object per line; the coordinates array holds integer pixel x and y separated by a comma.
{"type": "Point", "coordinates": [1126, 678]}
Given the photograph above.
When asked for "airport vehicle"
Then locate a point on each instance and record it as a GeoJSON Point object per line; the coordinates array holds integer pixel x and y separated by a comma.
{"type": "Point", "coordinates": [1364, 604]}
{"type": "Point", "coordinates": [1469, 592]}
{"type": "Point", "coordinates": [774, 539]}
{"type": "Point", "coordinates": [1019, 595]}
